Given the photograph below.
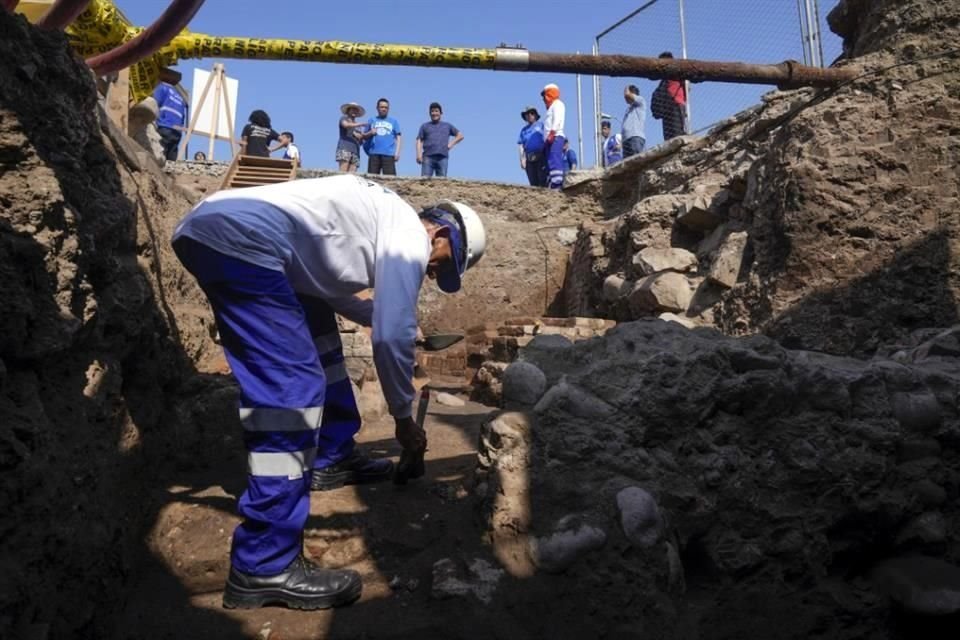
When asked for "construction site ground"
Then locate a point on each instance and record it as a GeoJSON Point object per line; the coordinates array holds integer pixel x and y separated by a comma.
{"type": "Point", "coordinates": [392, 535]}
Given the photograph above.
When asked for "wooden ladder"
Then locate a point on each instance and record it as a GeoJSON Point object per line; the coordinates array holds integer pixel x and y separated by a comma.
{"type": "Point", "coordinates": [254, 171]}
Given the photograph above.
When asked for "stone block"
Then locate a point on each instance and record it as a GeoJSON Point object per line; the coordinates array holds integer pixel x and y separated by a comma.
{"type": "Point", "coordinates": [697, 215]}
{"type": "Point", "coordinates": [709, 245]}
{"type": "Point", "coordinates": [614, 286]}
{"type": "Point", "coordinates": [655, 259]}
{"type": "Point", "coordinates": [665, 291]}
{"type": "Point", "coordinates": [639, 517]}
{"type": "Point", "coordinates": [672, 317]}
{"type": "Point", "coordinates": [523, 385]}
{"type": "Point", "coordinates": [727, 264]}
{"type": "Point", "coordinates": [523, 320]}
{"type": "Point", "coordinates": [571, 541]}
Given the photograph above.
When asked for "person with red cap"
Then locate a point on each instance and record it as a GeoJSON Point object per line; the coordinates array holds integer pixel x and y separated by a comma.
{"type": "Point", "coordinates": [553, 126]}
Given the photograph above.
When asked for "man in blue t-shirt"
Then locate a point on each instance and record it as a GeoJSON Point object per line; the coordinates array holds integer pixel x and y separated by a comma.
{"type": "Point", "coordinates": [383, 141]}
{"type": "Point", "coordinates": [171, 118]}
{"type": "Point", "coordinates": [434, 143]}
{"type": "Point", "coordinates": [531, 143]}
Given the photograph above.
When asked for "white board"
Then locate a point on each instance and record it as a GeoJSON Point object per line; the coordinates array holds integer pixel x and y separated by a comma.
{"type": "Point", "coordinates": [205, 120]}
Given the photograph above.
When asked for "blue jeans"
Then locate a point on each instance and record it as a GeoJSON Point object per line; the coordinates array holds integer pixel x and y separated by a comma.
{"type": "Point", "coordinates": [296, 404]}
{"type": "Point", "coordinates": [633, 145]}
{"type": "Point", "coordinates": [435, 165]}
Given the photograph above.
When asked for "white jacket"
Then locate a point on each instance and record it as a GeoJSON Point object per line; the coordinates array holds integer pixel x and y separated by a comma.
{"type": "Point", "coordinates": [332, 237]}
{"type": "Point", "coordinates": [555, 118]}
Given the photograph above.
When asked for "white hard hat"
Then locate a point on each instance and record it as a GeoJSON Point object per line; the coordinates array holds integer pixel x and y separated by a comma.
{"type": "Point", "coordinates": [475, 236]}
{"type": "Point", "coordinates": [470, 238]}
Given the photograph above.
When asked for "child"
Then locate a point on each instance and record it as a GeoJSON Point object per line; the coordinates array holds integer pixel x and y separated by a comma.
{"type": "Point", "coordinates": [291, 151]}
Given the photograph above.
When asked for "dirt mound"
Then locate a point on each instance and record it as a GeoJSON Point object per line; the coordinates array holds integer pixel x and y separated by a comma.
{"type": "Point", "coordinates": [698, 486]}
{"type": "Point", "coordinates": [90, 344]}
{"type": "Point", "coordinates": [825, 220]}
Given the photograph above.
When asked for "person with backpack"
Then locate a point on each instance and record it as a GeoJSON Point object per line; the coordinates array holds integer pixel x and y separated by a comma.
{"type": "Point", "coordinates": [668, 104]}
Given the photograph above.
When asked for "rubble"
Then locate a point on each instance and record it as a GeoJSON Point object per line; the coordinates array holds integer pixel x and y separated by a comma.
{"type": "Point", "coordinates": [727, 459]}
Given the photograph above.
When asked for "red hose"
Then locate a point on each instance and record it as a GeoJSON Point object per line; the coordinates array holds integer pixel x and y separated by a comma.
{"type": "Point", "coordinates": [61, 14]}
{"type": "Point", "coordinates": [169, 24]}
{"type": "Point", "coordinates": [9, 5]}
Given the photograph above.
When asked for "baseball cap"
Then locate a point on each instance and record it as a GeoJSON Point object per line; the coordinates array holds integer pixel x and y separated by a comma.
{"type": "Point", "coordinates": [449, 273]}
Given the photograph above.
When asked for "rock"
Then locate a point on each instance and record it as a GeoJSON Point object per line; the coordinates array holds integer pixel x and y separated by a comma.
{"type": "Point", "coordinates": [665, 291]}
{"type": "Point", "coordinates": [639, 516]}
{"type": "Point", "coordinates": [567, 236]}
{"type": "Point", "coordinates": [917, 411]}
{"type": "Point", "coordinates": [709, 245]}
{"type": "Point", "coordinates": [573, 400]}
{"type": "Point", "coordinates": [371, 402]}
{"type": "Point", "coordinates": [614, 286]}
{"type": "Point", "coordinates": [918, 449]}
{"type": "Point", "coordinates": [451, 580]}
{"type": "Point", "coordinates": [672, 317]}
{"type": "Point", "coordinates": [927, 528]}
{"type": "Point", "coordinates": [488, 383]}
{"type": "Point", "coordinates": [523, 385]}
{"type": "Point", "coordinates": [920, 584]}
{"type": "Point", "coordinates": [944, 345]}
{"type": "Point", "coordinates": [697, 215]}
{"type": "Point", "coordinates": [929, 493]}
{"type": "Point", "coordinates": [655, 259]}
{"type": "Point", "coordinates": [449, 400]}
{"type": "Point", "coordinates": [652, 235]}
{"type": "Point", "coordinates": [572, 540]}
{"type": "Point", "coordinates": [727, 264]}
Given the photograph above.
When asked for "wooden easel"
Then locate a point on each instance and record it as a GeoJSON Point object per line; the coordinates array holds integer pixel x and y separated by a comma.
{"type": "Point", "coordinates": [217, 80]}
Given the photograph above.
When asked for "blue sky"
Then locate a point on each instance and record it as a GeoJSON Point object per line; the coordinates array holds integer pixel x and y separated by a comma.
{"type": "Point", "coordinates": [485, 105]}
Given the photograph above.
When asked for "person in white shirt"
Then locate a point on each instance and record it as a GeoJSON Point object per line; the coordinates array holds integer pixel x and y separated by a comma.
{"type": "Point", "coordinates": [276, 262]}
{"type": "Point", "coordinates": [290, 150]}
{"type": "Point", "coordinates": [553, 127]}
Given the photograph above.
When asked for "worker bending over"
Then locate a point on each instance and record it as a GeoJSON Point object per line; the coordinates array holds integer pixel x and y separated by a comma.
{"type": "Point", "coordinates": [276, 262]}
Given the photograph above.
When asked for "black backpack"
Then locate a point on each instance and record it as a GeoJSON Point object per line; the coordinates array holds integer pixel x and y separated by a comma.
{"type": "Point", "coordinates": [660, 101]}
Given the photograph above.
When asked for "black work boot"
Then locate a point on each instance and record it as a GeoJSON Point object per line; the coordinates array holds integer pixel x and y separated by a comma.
{"type": "Point", "coordinates": [302, 585]}
{"type": "Point", "coordinates": [356, 469]}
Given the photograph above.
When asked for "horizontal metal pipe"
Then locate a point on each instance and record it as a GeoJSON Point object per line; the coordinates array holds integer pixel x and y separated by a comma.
{"type": "Point", "coordinates": [786, 74]}
{"type": "Point", "coordinates": [506, 59]}
{"type": "Point", "coordinates": [62, 13]}
{"type": "Point", "coordinates": [171, 22]}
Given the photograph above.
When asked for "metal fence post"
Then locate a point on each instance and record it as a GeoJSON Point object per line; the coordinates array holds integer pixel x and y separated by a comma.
{"type": "Point", "coordinates": [597, 144]}
{"type": "Point", "coordinates": [683, 54]}
{"type": "Point", "coordinates": [579, 120]}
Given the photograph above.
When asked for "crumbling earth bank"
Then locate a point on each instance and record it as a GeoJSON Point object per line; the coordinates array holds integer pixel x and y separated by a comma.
{"type": "Point", "coordinates": [698, 486]}
{"type": "Point", "coordinates": [827, 221]}
{"type": "Point", "coordinates": [91, 344]}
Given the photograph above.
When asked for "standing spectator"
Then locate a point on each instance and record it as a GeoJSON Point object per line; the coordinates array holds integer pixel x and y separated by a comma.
{"type": "Point", "coordinates": [384, 141]}
{"type": "Point", "coordinates": [668, 104]}
{"type": "Point", "coordinates": [634, 137]}
{"type": "Point", "coordinates": [257, 135]}
{"type": "Point", "coordinates": [434, 143]}
{"type": "Point", "coordinates": [569, 158]}
{"type": "Point", "coordinates": [531, 143]}
{"type": "Point", "coordinates": [348, 144]}
{"type": "Point", "coordinates": [553, 126]}
{"type": "Point", "coordinates": [290, 150]}
{"type": "Point", "coordinates": [171, 118]}
{"type": "Point", "coordinates": [611, 145]}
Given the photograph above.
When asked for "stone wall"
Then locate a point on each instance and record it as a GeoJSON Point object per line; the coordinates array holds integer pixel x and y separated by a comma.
{"type": "Point", "coordinates": [823, 218]}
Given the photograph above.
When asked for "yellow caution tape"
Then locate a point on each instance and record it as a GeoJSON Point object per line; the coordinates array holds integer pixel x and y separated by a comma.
{"type": "Point", "coordinates": [101, 27]}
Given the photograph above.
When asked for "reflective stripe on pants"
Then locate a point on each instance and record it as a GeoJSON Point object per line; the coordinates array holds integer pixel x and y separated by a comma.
{"type": "Point", "coordinates": [555, 164]}
{"type": "Point", "coordinates": [288, 408]}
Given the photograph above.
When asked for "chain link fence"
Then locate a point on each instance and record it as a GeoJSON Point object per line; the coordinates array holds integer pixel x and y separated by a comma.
{"type": "Point", "coordinates": [753, 31]}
